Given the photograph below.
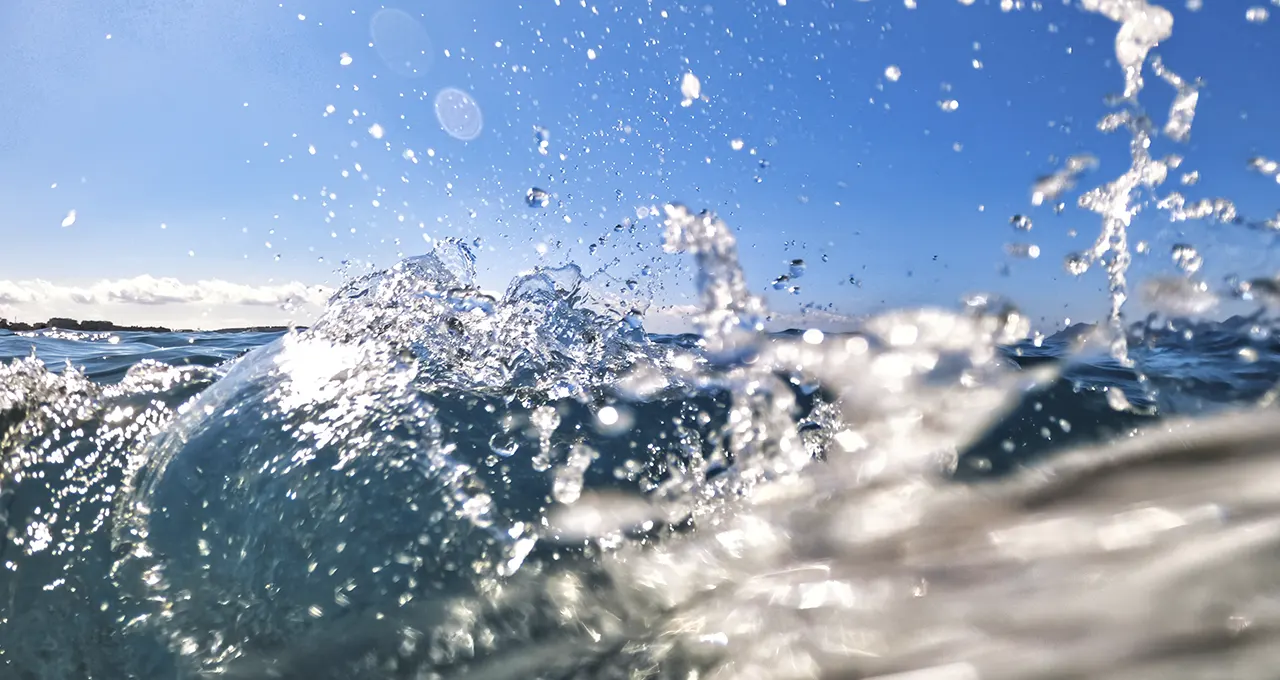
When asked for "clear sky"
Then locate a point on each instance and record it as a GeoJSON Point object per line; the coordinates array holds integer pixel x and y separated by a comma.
{"type": "Point", "coordinates": [194, 141]}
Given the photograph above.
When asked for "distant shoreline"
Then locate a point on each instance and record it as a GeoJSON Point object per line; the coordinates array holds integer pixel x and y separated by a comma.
{"type": "Point", "coordinates": [95, 326]}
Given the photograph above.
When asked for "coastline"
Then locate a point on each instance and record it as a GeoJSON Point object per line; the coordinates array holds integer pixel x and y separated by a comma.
{"type": "Point", "coordinates": [97, 326]}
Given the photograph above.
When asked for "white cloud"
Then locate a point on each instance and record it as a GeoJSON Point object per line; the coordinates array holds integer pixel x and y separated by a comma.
{"type": "Point", "coordinates": [149, 300]}
{"type": "Point", "coordinates": [14, 294]}
{"type": "Point", "coordinates": [148, 290]}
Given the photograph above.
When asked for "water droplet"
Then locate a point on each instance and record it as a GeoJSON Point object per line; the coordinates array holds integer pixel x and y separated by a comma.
{"type": "Point", "coordinates": [1050, 187]}
{"type": "Point", "coordinates": [691, 88]}
{"type": "Point", "coordinates": [537, 198]}
{"type": "Point", "coordinates": [1191, 178]}
{"type": "Point", "coordinates": [855, 281]}
{"type": "Point", "coordinates": [344, 59]}
{"type": "Point", "coordinates": [736, 145]}
{"type": "Point", "coordinates": [567, 488]}
{"type": "Point", "coordinates": [503, 444]}
{"type": "Point", "coordinates": [542, 136]}
{"type": "Point", "coordinates": [1021, 222]}
{"type": "Point", "coordinates": [781, 282]}
{"type": "Point", "coordinates": [797, 268]}
{"type": "Point", "coordinates": [1076, 264]}
{"type": "Point", "coordinates": [1257, 15]}
{"type": "Point", "coordinates": [893, 73]}
{"type": "Point", "coordinates": [375, 131]}
{"type": "Point", "coordinates": [591, 54]}
{"type": "Point", "coordinates": [1024, 250]}
{"type": "Point", "coordinates": [70, 219]}
{"type": "Point", "coordinates": [1264, 165]}
{"type": "Point", "coordinates": [1186, 257]}
{"type": "Point", "coordinates": [948, 105]}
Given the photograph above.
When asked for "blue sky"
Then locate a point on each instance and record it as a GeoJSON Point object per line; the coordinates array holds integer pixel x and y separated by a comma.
{"type": "Point", "coordinates": [200, 116]}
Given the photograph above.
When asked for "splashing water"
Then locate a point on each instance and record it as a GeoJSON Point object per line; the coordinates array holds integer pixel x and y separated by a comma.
{"type": "Point", "coordinates": [353, 500]}
{"type": "Point", "coordinates": [1142, 27]}
{"type": "Point", "coordinates": [435, 481]}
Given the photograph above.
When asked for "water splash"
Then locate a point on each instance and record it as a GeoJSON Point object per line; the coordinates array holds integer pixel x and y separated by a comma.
{"type": "Point", "coordinates": [1142, 27]}
{"type": "Point", "coordinates": [433, 482]}
{"type": "Point", "coordinates": [732, 317]}
{"type": "Point", "coordinates": [1183, 109]}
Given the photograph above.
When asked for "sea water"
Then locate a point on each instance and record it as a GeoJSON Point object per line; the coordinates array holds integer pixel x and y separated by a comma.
{"type": "Point", "coordinates": [433, 481]}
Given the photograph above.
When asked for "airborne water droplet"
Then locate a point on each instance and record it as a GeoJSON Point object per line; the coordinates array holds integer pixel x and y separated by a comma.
{"type": "Point", "coordinates": [797, 268]}
{"type": "Point", "coordinates": [567, 487]}
{"type": "Point", "coordinates": [1265, 166]}
{"type": "Point", "coordinates": [537, 198]}
{"type": "Point", "coordinates": [1076, 264]}
{"type": "Point", "coordinates": [1050, 187]}
{"type": "Point", "coordinates": [1257, 15]}
{"type": "Point", "coordinates": [1186, 257]}
{"type": "Point", "coordinates": [344, 59]}
{"type": "Point", "coordinates": [893, 73]}
{"type": "Point", "coordinates": [691, 88]}
{"type": "Point", "coordinates": [1021, 222]}
{"type": "Point", "coordinates": [503, 444]}
{"type": "Point", "coordinates": [1026, 250]}
{"type": "Point", "coordinates": [948, 105]}
{"type": "Point", "coordinates": [542, 136]}
{"type": "Point", "coordinates": [70, 219]}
